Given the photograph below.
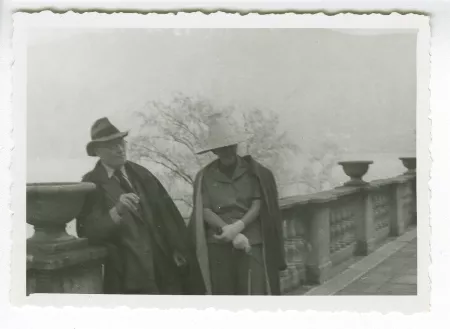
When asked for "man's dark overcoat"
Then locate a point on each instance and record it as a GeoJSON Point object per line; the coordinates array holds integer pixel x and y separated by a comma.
{"type": "Point", "coordinates": [163, 220]}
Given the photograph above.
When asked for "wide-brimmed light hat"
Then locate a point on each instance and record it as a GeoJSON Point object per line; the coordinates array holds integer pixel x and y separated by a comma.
{"type": "Point", "coordinates": [102, 131]}
{"type": "Point", "coordinates": [221, 134]}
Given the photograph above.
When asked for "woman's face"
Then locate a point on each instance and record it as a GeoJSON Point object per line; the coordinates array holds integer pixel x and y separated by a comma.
{"type": "Point", "coordinates": [227, 155]}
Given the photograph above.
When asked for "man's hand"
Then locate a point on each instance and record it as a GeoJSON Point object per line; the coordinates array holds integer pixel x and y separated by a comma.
{"type": "Point", "coordinates": [229, 232]}
{"type": "Point", "coordinates": [127, 201]}
{"type": "Point", "coordinates": [241, 242]}
{"type": "Point", "coordinates": [179, 259]}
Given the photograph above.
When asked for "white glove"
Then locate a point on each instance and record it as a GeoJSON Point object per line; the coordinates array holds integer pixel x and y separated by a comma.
{"type": "Point", "coordinates": [229, 232]}
{"type": "Point", "coordinates": [241, 242]}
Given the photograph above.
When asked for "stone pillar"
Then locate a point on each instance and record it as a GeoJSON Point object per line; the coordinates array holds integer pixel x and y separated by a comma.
{"type": "Point", "coordinates": [365, 235]}
{"type": "Point", "coordinates": [319, 262]}
{"type": "Point", "coordinates": [404, 205]}
{"type": "Point", "coordinates": [56, 261]}
{"type": "Point", "coordinates": [365, 229]}
{"type": "Point", "coordinates": [410, 164]}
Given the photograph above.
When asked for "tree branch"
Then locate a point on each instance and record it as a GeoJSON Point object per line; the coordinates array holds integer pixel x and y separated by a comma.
{"type": "Point", "coordinates": [169, 164]}
{"type": "Point", "coordinates": [179, 124]}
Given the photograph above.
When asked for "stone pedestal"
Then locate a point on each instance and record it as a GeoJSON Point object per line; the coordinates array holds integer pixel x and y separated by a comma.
{"type": "Point", "coordinates": [56, 261]}
{"type": "Point", "coordinates": [75, 271]}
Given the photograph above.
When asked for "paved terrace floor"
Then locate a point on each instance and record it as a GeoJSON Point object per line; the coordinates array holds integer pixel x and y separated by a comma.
{"type": "Point", "coordinates": [389, 270]}
{"type": "Point", "coordinates": [397, 275]}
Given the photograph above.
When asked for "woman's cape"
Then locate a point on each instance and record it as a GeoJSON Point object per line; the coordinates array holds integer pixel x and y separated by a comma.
{"type": "Point", "coordinates": [271, 223]}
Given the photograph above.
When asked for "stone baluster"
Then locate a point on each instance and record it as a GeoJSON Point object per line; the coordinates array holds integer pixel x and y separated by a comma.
{"type": "Point", "coordinates": [381, 207]}
{"type": "Point", "coordinates": [295, 249]}
{"type": "Point", "coordinates": [342, 227]}
{"type": "Point", "coordinates": [56, 261]}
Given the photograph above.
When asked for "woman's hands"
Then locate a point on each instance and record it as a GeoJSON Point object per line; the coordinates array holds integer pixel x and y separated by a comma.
{"type": "Point", "coordinates": [229, 232]}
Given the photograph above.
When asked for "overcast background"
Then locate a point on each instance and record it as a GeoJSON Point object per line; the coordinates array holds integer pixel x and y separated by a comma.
{"type": "Point", "coordinates": [357, 87]}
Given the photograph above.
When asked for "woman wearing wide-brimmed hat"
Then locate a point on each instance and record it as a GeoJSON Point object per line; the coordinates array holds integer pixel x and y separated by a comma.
{"type": "Point", "coordinates": [236, 220]}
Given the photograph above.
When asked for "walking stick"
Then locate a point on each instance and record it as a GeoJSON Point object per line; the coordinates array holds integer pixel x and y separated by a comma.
{"type": "Point", "coordinates": [249, 281]}
{"type": "Point", "coordinates": [249, 278]}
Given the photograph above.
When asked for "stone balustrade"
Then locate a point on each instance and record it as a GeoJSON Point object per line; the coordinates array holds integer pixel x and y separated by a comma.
{"type": "Point", "coordinates": [325, 229]}
{"type": "Point", "coordinates": [321, 230]}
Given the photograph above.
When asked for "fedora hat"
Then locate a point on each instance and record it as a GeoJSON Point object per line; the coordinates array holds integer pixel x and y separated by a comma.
{"type": "Point", "coordinates": [102, 131]}
{"type": "Point", "coordinates": [221, 133]}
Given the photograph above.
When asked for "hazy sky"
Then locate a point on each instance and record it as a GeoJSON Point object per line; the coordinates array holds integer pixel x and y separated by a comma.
{"type": "Point", "coordinates": [358, 86]}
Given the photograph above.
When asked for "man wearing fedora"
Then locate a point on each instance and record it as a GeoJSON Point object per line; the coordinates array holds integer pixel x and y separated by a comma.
{"type": "Point", "coordinates": [236, 221]}
{"type": "Point", "coordinates": [134, 217]}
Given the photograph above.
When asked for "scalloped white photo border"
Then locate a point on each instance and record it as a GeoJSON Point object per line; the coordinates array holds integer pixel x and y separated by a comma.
{"type": "Point", "coordinates": [109, 304]}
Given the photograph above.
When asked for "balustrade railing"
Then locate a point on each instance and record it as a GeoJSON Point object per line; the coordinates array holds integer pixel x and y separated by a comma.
{"type": "Point", "coordinates": [321, 230]}
{"type": "Point", "coordinates": [349, 220]}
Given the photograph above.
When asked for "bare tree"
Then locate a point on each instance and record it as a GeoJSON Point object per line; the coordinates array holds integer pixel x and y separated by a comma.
{"type": "Point", "coordinates": [317, 175]}
{"type": "Point", "coordinates": [171, 133]}
{"type": "Point", "coordinates": [268, 144]}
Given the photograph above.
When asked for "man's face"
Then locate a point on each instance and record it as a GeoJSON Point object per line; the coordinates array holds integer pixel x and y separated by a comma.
{"type": "Point", "coordinates": [112, 153]}
{"type": "Point", "coordinates": [227, 155]}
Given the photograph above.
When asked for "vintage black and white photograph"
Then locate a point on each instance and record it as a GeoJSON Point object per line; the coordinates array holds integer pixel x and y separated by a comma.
{"type": "Point", "coordinates": [222, 160]}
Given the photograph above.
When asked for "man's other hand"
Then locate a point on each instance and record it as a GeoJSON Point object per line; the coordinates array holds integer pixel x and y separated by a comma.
{"type": "Point", "coordinates": [128, 201]}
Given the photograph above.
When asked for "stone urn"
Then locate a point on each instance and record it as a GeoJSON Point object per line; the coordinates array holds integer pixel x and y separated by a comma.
{"type": "Point", "coordinates": [355, 170]}
{"type": "Point", "coordinates": [410, 163]}
{"type": "Point", "coordinates": [50, 206]}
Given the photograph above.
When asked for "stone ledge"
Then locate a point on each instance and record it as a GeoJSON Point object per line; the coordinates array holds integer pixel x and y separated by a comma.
{"type": "Point", "coordinates": [83, 278]}
{"type": "Point", "coordinates": [340, 191]}
{"type": "Point", "coordinates": [44, 261]}
{"type": "Point", "coordinates": [319, 197]}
